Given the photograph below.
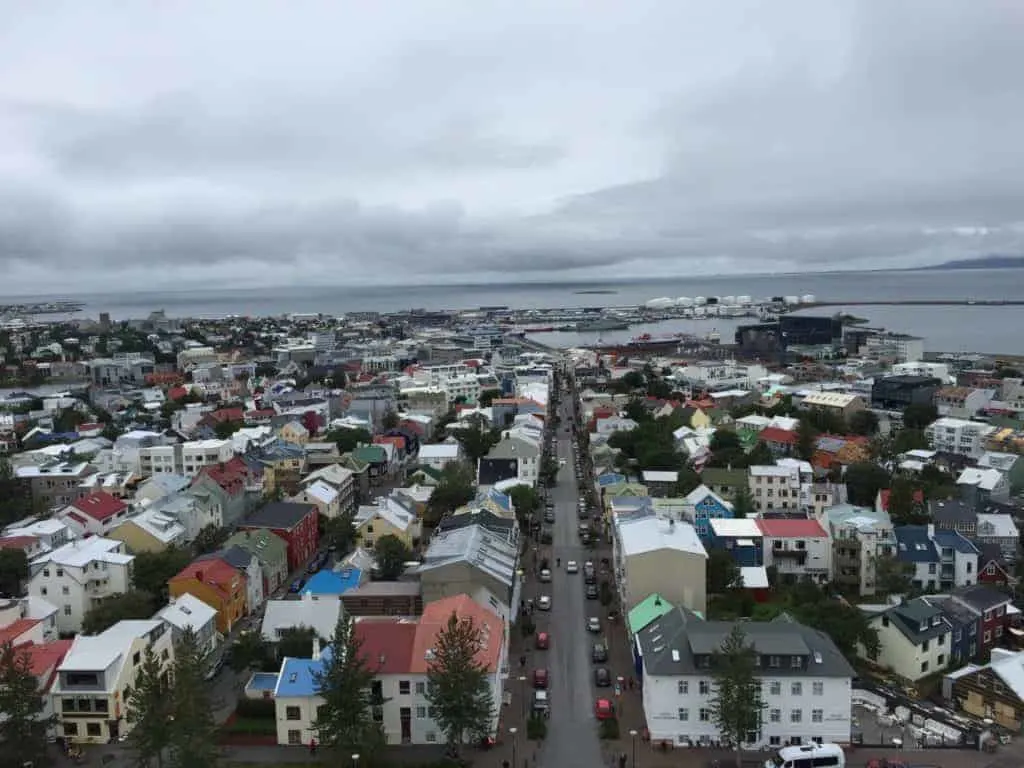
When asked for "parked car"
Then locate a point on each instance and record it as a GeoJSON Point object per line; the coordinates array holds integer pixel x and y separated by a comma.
{"type": "Point", "coordinates": [589, 578]}
{"type": "Point", "coordinates": [591, 592]}
{"type": "Point", "coordinates": [541, 703]}
{"type": "Point", "coordinates": [545, 575]}
{"type": "Point", "coordinates": [543, 641]}
{"type": "Point", "coordinates": [599, 653]}
{"type": "Point", "coordinates": [549, 516]}
{"type": "Point", "coordinates": [602, 677]}
{"type": "Point", "coordinates": [593, 624]}
{"type": "Point", "coordinates": [297, 585]}
{"type": "Point", "coordinates": [572, 567]}
{"type": "Point", "coordinates": [544, 603]}
{"type": "Point", "coordinates": [540, 678]}
{"type": "Point", "coordinates": [604, 709]}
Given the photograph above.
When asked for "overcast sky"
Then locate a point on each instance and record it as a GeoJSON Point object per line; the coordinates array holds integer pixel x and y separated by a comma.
{"type": "Point", "coordinates": [164, 145]}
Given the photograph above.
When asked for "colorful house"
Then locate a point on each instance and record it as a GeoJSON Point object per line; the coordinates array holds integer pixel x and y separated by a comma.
{"type": "Point", "coordinates": [293, 522]}
{"type": "Point", "coordinates": [218, 584]}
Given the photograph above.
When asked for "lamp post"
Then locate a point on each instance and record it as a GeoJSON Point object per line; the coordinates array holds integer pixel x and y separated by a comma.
{"type": "Point", "coordinates": [515, 743]}
{"type": "Point", "coordinates": [522, 696]}
{"type": "Point", "coordinates": [355, 760]}
{"type": "Point", "coordinates": [632, 734]}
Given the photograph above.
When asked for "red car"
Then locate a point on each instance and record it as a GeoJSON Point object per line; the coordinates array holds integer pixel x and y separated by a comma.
{"type": "Point", "coordinates": [604, 709]}
{"type": "Point", "coordinates": [540, 678]}
{"type": "Point", "coordinates": [543, 640]}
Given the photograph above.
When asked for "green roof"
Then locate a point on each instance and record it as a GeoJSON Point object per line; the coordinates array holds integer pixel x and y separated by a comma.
{"type": "Point", "coordinates": [426, 471]}
{"type": "Point", "coordinates": [371, 454]}
{"type": "Point", "coordinates": [626, 489]}
{"type": "Point", "coordinates": [653, 607]}
{"type": "Point", "coordinates": [730, 478]}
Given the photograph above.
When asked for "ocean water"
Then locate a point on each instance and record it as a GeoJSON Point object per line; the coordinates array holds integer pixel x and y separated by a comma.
{"type": "Point", "coordinates": [968, 328]}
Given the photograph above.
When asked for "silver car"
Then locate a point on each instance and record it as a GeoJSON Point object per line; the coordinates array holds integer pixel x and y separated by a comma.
{"type": "Point", "coordinates": [593, 624]}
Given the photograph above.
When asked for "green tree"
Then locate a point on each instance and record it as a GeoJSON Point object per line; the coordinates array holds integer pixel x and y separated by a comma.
{"type": "Point", "coordinates": [345, 722]}
{"type": "Point", "coordinates": [893, 576]}
{"type": "Point", "coordinates": [148, 711]}
{"type": "Point", "coordinates": [209, 539]}
{"type": "Point", "coordinates": [296, 643]}
{"type": "Point", "coordinates": [909, 439]}
{"type": "Point", "coordinates": [476, 439]}
{"type": "Point", "coordinates": [903, 507]}
{"type": "Point", "coordinates": [13, 570]}
{"type": "Point", "coordinates": [23, 728]}
{"type": "Point", "coordinates": [736, 701]}
{"type": "Point", "coordinates": [760, 455]}
{"type": "Point", "coordinates": [743, 503]}
{"type": "Point", "coordinates": [391, 555]}
{"type": "Point", "coordinates": [152, 570]}
{"type": "Point", "coordinates": [389, 420]}
{"type": "Point", "coordinates": [455, 488]}
{"type": "Point", "coordinates": [864, 423]}
{"type": "Point", "coordinates": [134, 604]}
{"type": "Point", "coordinates": [15, 503]}
{"type": "Point", "coordinates": [251, 651]}
{"type": "Point", "coordinates": [193, 736]}
{"type": "Point", "coordinates": [347, 439]}
{"type": "Point", "coordinates": [67, 420]}
{"type": "Point", "coordinates": [487, 396]}
{"type": "Point", "coordinates": [340, 532]}
{"type": "Point", "coordinates": [457, 684]}
{"type": "Point", "coordinates": [864, 479]}
{"type": "Point", "coordinates": [225, 429]}
{"type": "Point", "coordinates": [687, 481]}
{"type": "Point", "coordinates": [526, 502]}
{"type": "Point", "coordinates": [723, 573]}
{"type": "Point", "coordinates": [806, 439]}
{"type": "Point", "coordinates": [919, 415]}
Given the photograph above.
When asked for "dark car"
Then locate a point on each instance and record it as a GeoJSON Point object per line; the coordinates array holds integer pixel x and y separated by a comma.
{"type": "Point", "coordinates": [297, 585]}
{"type": "Point", "coordinates": [591, 592]}
{"type": "Point", "coordinates": [589, 578]}
{"type": "Point", "coordinates": [599, 654]}
{"type": "Point", "coordinates": [549, 516]}
{"type": "Point", "coordinates": [602, 677]}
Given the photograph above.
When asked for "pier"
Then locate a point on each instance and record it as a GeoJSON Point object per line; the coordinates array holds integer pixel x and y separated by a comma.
{"type": "Point", "coordinates": [914, 303]}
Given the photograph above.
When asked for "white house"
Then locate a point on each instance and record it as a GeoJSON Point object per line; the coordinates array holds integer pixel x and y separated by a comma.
{"type": "Point", "coordinates": [78, 574]}
{"type": "Point", "coordinates": [653, 555]}
{"type": "Point", "coordinates": [439, 455]}
{"type": "Point", "coordinates": [915, 639]}
{"type": "Point", "coordinates": [991, 484]}
{"type": "Point", "coordinates": [189, 612]}
{"type": "Point", "coordinates": [321, 495]}
{"type": "Point", "coordinates": [805, 681]}
{"type": "Point", "coordinates": [204, 453]}
{"type": "Point", "coordinates": [400, 651]}
{"type": "Point", "coordinates": [90, 690]}
{"type": "Point", "coordinates": [966, 438]}
{"type": "Point", "coordinates": [318, 615]}
{"type": "Point", "coordinates": [798, 549]}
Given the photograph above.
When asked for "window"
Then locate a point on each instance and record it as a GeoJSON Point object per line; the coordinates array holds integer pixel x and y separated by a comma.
{"type": "Point", "coordinates": [705, 715]}
{"type": "Point", "coordinates": [93, 729]}
{"type": "Point", "coordinates": [421, 712]}
{"type": "Point", "coordinates": [294, 737]}
{"type": "Point", "coordinates": [817, 715]}
{"type": "Point", "coordinates": [421, 689]}
{"type": "Point", "coordinates": [988, 636]}
{"type": "Point", "coordinates": [818, 688]}
{"type": "Point", "coordinates": [403, 687]}
{"type": "Point", "coordinates": [431, 737]}
{"type": "Point", "coordinates": [683, 687]}
{"type": "Point", "coordinates": [65, 590]}
{"type": "Point", "coordinates": [774, 661]}
{"type": "Point", "coordinates": [67, 610]}
{"type": "Point", "coordinates": [796, 716]}
{"type": "Point", "coordinates": [794, 662]}
{"type": "Point", "coordinates": [291, 713]}
{"type": "Point", "coordinates": [775, 688]}
{"type": "Point", "coordinates": [46, 572]}
{"type": "Point", "coordinates": [797, 689]}
{"type": "Point", "coordinates": [432, 713]}
{"type": "Point", "coordinates": [775, 715]}
{"type": "Point", "coordinates": [60, 572]}
{"type": "Point", "coordinates": [924, 666]}
{"type": "Point", "coordinates": [684, 714]}
{"type": "Point", "coordinates": [165, 654]}
{"type": "Point", "coordinates": [70, 729]}
{"type": "Point", "coordinates": [705, 687]}
{"type": "Point", "coordinates": [136, 658]}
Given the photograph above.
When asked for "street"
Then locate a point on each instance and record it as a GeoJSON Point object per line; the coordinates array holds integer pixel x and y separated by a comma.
{"type": "Point", "coordinates": [572, 729]}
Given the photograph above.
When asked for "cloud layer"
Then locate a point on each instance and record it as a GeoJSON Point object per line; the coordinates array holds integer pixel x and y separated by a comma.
{"type": "Point", "coordinates": [441, 140]}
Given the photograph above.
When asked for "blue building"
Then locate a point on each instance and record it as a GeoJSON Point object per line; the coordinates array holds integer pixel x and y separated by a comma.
{"type": "Point", "coordinates": [703, 505]}
{"type": "Point", "coordinates": [966, 623]}
{"type": "Point", "coordinates": [332, 584]}
{"type": "Point", "coordinates": [742, 538]}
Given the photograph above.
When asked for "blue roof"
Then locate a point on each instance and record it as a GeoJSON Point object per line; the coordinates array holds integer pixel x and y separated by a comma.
{"type": "Point", "coordinates": [610, 478]}
{"type": "Point", "coordinates": [503, 500]}
{"type": "Point", "coordinates": [830, 444]}
{"type": "Point", "coordinates": [956, 540]}
{"type": "Point", "coordinates": [263, 681]}
{"type": "Point", "coordinates": [298, 678]}
{"type": "Point", "coordinates": [328, 582]}
{"type": "Point", "coordinates": [913, 544]}
{"type": "Point", "coordinates": [282, 450]}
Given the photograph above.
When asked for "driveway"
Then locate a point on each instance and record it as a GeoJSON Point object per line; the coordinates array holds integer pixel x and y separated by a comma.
{"type": "Point", "coordinates": [572, 730]}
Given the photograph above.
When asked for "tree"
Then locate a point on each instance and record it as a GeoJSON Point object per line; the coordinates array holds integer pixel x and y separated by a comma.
{"type": "Point", "coordinates": [391, 555]}
{"type": "Point", "coordinates": [525, 501]}
{"type": "Point", "coordinates": [864, 423]}
{"type": "Point", "coordinates": [723, 573]}
{"type": "Point", "coordinates": [251, 651]}
{"type": "Point", "coordinates": [760, 455]}
{"type": "Point", "coordinates": [193, 735]}
{"type": "Point", "coordinates": [687, 481]}
{"type": "Point", "coordinates": [457, 684]}
{"type": "Point", "coordinates": [134, 604]}
{"type": "Point", "coordinates": [14, 503]}
{"type": "Point", "coordinates": [225, 429]}
{"type": "Point", "coordinates": [476, 439]}
{"type": "Point", "coordinates": [904, 508]}
{"type": "Point", "coordinates": [724, 439]}
{"type": "Point", "coordinates": [389, 420]}
{"type": "Point", "coordinates": [908, 439]}
{"type": "Point", "coordinates": [152, 570]}
{"type": "Point", "coordinates": [347, 439]}
{"type": "Point", "coordinates": [455, 488]}
{"type": "Point", "coordinates": [296, 642]}
{"type": "Point", "coordinates": [736, 703]}
{"type": "Point", "coordinates": [13, 570]}
{"type": "Point", "coordinates": [67, 420]}
{"type": "Point", "coordinates": [345, 720]}
{"type": "Point", "coordinates": [743, 503]}
{"type": "Point", "coordinates": [340, 532]}
{"type": "Point", "coordinates": [23, 729]}
{"type": "Point", "coordinates": [919, 415]}
{"type": "Point", "coordinates": [892, 576]}
{"type": "Point", "coordinates": [487, 397]}
{"type": "Point", "coordinates": [806, 440]}
{"type": "Point", "coordinates": [149, 712]}
{"type": "Point", "coordinates": [209, 539]}
{"type": "Point", "coordinates": [864, 479]}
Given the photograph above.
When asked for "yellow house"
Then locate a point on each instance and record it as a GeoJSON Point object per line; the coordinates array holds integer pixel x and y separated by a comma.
{"type": "Point", "coordinates": [153, 530]}
{"type": "Point", "coordinates": [695, 418]}
{"type": "Point", "coordinates": [386, 518]}
{"type": "Point", "coordinates": [282, 463]}
{"type": "Point", "coordinates": [293, 432]}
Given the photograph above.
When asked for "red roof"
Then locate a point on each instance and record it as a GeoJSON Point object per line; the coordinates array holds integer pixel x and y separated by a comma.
{"type": "Point", "coordinates": [47, 657]}
{"type": "Point", "coordinates": [99, 505]}
{"type": "Point", "coordinates": [212, 571]}
{"type": "Point", "coordinates": [12, 632]}
{"type": "Point", "coordinates": [229, 475]}
{"type": "Point", "coordinates": [435, 618]}
{"type": "Point", "coordinates": [227, 414]}
{"type": "Point", "coordinates": [177, 393]}
{"type": "Point", "coordinates": [387, 644]}
{"type": "Point", "coordinates": [17, 542]}
{"type": "Point", "coordinates": [791, 528]}
{"type": "Point", "coordinates": [885, 493]}
{"type": "Point", "coordinates": [777, 435]}
{"type": "Point", "coordinates": [395, 440]}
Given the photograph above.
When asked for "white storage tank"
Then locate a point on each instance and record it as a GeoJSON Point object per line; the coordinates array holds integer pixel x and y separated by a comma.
{"type": "Point", "coordinates": [700, 301]}
{"type": "Point", "coordinates": [729, 300]}
{"type": "Point", "coordinates": [807, 298]}
{"type": "Point", "coordinates": [791, 300]}
{"type": "Point", "coordinates": [684, 301]}
{"type": "Point", "coordinates": [660, 303]}
{"type": "Point", "coordinates": [743, 301]}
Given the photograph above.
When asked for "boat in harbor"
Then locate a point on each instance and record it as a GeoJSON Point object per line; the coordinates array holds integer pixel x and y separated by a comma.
{"type": "Point", "coordinates": [602, 325]}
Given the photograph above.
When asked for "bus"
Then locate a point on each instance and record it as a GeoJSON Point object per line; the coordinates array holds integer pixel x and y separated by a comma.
{"type": "Point", "coordinates": [809, 756]}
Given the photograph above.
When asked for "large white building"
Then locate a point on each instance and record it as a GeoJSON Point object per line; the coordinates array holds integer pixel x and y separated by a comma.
{"type": "Point", "coordinates": [806, 683]}
{"type": "Point", "coordinates": [717, 375]}
{"type": "Point", "coordinates": [655, 555]}
{"type": "Point", "coordinates": [77, 575]}
{"type": "Point", "coordinates": [966, 438]}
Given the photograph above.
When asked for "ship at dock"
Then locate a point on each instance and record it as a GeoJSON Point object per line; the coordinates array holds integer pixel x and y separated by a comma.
{"type": "Point", "coordinates": [602, 325]}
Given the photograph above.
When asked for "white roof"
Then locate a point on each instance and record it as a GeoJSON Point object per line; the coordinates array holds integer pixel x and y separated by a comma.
{"type": "Point", "coordinates": [160, 522]}
{"type": "Point", "coordinates": [657, 476]}
{"type": "Point", "coordinates": [98, 652]}
{"type": "Point", "coordinates": [319, 615]}
{"type": "Point", "coordinates": [321, 491]}
{"type": "Point", "coordinates": [187, 611]}
{"type": "Point", "coordinates": [787, 423]}
{"type": "Point", "coordinates": [388, 510]}
{"type": "Point", "coordinates": [754, 577]}
{"type": "Point", "coordinates": [830, 399]}
{"type": "Point", "coordinates": [770, 470]}
{"type": "Point", "coordinates": [439, 451]}
{"type": "Point", "coordinates": [81, 552]}
{"type": "Point", "coordinates": [986, 479]}
{"type": "Point", "coordinates": [639, 536]}
{"type": "Point", "coordinates": [998, 460]}
{"type": "Point", "coordinates": [754, 420]}
{"type": "Point", "coordinates": [333, 474]}
{"type": "Point", "coordinates": [743, 527]}
{"type": "Point", "coordinates": [997, 525]}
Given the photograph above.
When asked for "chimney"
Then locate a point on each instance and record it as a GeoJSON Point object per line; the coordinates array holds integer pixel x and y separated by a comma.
{"type": "Point", "coordinates": [316, 648]}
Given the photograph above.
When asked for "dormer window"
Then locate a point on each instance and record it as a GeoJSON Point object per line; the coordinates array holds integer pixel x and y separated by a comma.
{"type": "Point", "coordinates": [795, 662]}
{"type": "Point", "coordinates": [924, 626]}
{"type": "Point", "coordinates": [936, 621]}
{"type": "Point", "coordinates": [774, 661]}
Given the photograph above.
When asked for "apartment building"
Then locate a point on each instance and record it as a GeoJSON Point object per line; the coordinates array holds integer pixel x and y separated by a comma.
{"type": "Point", "coordinates": [959, 436]}
{"type": "Point", "coordinates": [774, 487]}
{"type": "Point", "coordinates": [92, 682]}
{"type": "Point", "coordinates": [96, 514]}
{"type": "Point", "coordinates": [77, 575]}
{"type": "Point", "coordinates": [54, 483]}
{"type": "Point", "coordinates": [798, 549]}
{"type": "Point", "coordinates": [860, 536]}
{"type": "Point", "coordinates": [962, 402]}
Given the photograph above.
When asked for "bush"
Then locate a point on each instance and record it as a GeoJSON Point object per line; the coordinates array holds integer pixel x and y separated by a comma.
{"type": "Point", "coordinates": [609, 729]}
{"type": "Point", "coordinates": [256, 709]}
{"type": "Point", "coordinates": [251, 726]}
{"type": "Point", "coordinates": [536, 728]}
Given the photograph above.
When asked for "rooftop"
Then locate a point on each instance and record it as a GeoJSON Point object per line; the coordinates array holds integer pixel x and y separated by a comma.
{"type": "Point", "coordinates": [649, 534]}
{"type": "Point", "coordinates": [284, 515]}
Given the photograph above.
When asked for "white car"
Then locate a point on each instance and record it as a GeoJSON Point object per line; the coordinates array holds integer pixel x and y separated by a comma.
{"type": "Point", "coordinates": [572, 567]}
{"type": "Point", "coordinates": [545, 575]}
{"type": "Point", "coordinates": [544, 603]}
{"type": "Point", "coordinates": [593, 624]}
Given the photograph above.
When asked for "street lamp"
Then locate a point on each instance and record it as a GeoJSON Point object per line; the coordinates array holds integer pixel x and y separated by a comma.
{"type": "Point", "coordinates": [355, 760]}
{"type": "Point", "coordinates": [514, 731]}
{"type": "Point", "coordinates": [522, 695]}
{"type": "Point", "coordinates": [632, 734]}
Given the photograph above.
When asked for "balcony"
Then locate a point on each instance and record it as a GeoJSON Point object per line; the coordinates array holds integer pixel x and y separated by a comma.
{"type": "Point", "coordinates": [797, 555]}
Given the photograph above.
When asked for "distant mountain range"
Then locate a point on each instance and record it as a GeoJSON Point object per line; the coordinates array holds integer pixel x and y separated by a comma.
{"type": "Point", "coordinates": [985, 262]}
